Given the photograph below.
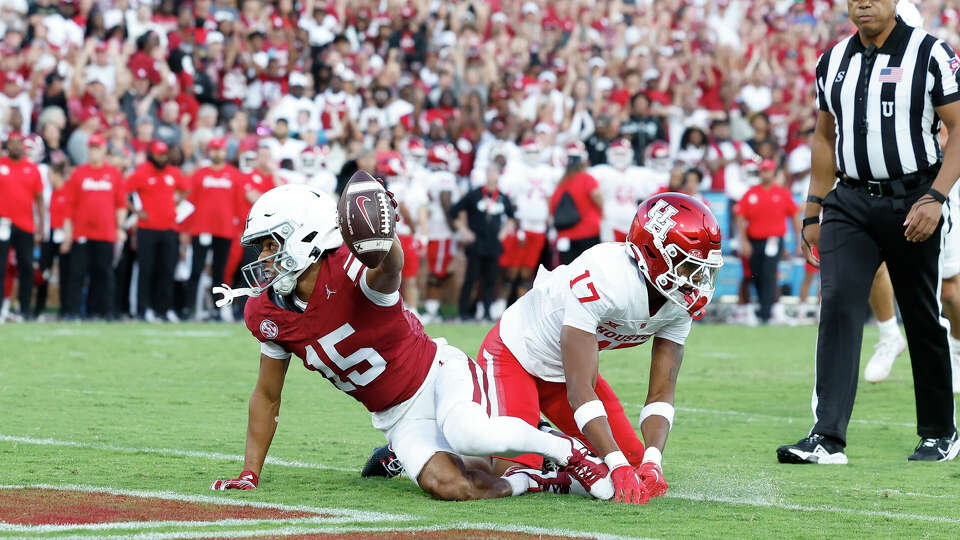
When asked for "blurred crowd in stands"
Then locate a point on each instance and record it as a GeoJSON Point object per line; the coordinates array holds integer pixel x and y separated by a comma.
{"type": "Point", "coordinates": [514, 133]}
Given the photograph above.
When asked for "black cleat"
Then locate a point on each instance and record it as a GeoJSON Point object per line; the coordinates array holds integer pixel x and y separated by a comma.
{"type": "Point", "coordinates": [814, 448]}
{"type": "Point", "coordinates": [941, 449]}
{"type": "Point", "coordinates": [383, 463]}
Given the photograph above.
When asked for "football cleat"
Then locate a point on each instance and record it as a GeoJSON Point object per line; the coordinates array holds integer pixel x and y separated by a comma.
{"type": "Point", "coordinates": [543, 481]}
{"type": "Point", "coordinates": [936, 449]}
{"type": "Point", "coordinates": [383, 463]}
{"type": "Point", "coordinates": [814, 448]}
{"type": "Point", "coordinates": [585, 467]}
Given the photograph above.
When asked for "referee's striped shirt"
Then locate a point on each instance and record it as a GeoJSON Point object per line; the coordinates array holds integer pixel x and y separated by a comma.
{"type": "Point", "coordinates": [883, 102]}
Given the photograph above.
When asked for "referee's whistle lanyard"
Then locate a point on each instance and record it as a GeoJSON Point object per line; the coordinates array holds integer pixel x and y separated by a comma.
{"type": "Point", "coordinates": [868, 55]}
{"type": "Point", "coordinates": [491, 199]}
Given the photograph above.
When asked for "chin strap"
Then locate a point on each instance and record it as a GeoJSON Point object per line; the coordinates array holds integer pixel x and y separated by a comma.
{"type": "Point", "coordinates": [229, 294]}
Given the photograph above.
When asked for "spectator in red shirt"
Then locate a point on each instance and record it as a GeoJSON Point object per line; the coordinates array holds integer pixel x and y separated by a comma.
{"type": "Point", "coordinates": [576, 206]}
{"type": "Point", "coordinates": [761, 216]}
{"type": "Point", "coordinates": [22, 197]}
{"type": "Point", "coordinates": [95, 208]}
{"type": "Point", "coordinates": [157, 188]}
{"type": "Point", "coordinates": [215, 194]}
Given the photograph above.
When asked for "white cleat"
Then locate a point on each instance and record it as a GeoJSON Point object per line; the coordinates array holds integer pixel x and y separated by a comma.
{"type": "Point", "coordinates": [150, 316]}
{"type": "Point", "coordinates": [172, 316]}
{"type": "Point", "coordinates": [885, 352]}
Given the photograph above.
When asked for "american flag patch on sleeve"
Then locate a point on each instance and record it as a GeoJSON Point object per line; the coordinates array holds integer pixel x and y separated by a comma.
{"type": "Point", "coordinates": [891, 74]}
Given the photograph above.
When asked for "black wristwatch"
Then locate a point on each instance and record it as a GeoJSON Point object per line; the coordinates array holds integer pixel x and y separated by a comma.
{"type": "Point", "coordinates": [815, 220]}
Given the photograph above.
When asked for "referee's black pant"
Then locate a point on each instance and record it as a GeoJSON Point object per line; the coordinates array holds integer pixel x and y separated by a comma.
{"type": "Point", "coordinates": [22, 243]}
{"type": "Point", "coordinates": [858, 232]}
{"type": "Point", "coordinates": [480, 269]}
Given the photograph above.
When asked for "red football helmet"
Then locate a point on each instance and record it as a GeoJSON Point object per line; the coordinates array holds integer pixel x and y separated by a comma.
{"type": "Point", "coordinates": [675, 240]}
{"type": "Point", "coordinates": [620, 154]}
{"type": "Point", "coordinates": [390, 165]}
{"type": "Point", "coordinates": [416, 150]}
{"type": "Point", "coordinates": [658, 156]}
{"type": "Point", "coordinates": [576, 149]}
{"type": "Point", "coordinates": [443, 156]}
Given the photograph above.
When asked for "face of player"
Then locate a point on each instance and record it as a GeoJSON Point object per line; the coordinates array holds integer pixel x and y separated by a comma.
{"type": "Point", "coordinates": [872, 17]}
{"type": "Point", "coordinates": [269, 247]}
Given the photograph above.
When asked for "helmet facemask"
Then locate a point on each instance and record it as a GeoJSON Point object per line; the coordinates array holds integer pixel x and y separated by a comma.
{"type": "Point", "coordinates": [279, 270]}
{"type": "Point", "coordinates": [689, 281]}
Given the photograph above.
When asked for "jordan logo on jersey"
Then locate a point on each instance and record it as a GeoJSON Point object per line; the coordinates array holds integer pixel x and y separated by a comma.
{"type": "Point", "coordinates": [329, 292]}
{"type": "Point", "coordinates": [661, 220]}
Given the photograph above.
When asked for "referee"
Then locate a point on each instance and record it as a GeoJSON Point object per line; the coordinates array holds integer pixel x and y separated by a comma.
{"type": "Point", "coordinates": [882, 94]}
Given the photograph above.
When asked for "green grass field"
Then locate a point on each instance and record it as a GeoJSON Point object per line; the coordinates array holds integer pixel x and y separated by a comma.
{"type": "Point", "coordinates": [163, 408]}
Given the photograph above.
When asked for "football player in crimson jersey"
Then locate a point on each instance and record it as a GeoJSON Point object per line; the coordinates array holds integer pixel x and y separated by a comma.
{"type": "Point", "coordinates": [314, 299]}
{"type": "Point", "coordinates": [542, 355]}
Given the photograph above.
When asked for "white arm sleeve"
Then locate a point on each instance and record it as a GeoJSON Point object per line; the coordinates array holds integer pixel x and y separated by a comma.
{"type": "Point", "coordinates": [378, 298]}
{"type": "Point", "coordinates": [271, 349]}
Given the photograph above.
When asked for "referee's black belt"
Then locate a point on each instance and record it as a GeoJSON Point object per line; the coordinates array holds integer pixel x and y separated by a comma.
{"type": "Point", "coordinates": [898, 187]}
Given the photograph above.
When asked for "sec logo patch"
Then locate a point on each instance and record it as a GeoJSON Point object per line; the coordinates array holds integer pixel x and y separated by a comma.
{"type": "Point", "coordinates": [269, 329]}
{"type": "Point", "coordinates": [954, 64]}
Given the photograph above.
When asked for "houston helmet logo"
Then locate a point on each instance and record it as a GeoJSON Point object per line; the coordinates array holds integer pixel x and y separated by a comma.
{"type": "Point", "coordinates": [661, 220]}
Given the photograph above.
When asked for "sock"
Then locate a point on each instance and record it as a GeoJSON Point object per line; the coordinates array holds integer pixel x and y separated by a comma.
{"type": "Point", "coordinates": [889, 328]}
{"type": "Point", "coordinates": [519, 482]}
{"type": "Point", "coordinates": [473, 433]}
{"type": "Point", "coordinates": [432, 306]}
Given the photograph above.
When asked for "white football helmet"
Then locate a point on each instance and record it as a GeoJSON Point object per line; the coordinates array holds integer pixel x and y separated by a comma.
{"type": "Point", "coordinates": [620, 154]}
{"type": "Point", "coordinates": [303, 220]}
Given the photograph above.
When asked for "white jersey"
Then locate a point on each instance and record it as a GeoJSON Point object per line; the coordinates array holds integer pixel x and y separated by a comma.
{"type": "Point", "coordinates": [601, 292]}
{"type": "Point", "coordinates": [437, 182]}
{"type": "Point", "coordinates": [621, 190]}
{"type": "Point", "coordinates": [412, 196]}
{"type": "Point", "coordinates": [530, 188]}
{"type": "Point", "coordinates": [323, 180]}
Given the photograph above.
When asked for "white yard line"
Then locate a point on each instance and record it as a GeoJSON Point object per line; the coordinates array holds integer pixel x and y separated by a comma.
{"type": "Point", "coordinates": [289, 531]}
{"type": "Point", "coordinates": [337, 515]}
{"type": "Point", "coordinates": [170, 452]}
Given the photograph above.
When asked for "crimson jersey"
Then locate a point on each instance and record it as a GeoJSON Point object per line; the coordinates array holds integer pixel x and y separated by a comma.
{"type": "Point", "coordinates": [378, 354]}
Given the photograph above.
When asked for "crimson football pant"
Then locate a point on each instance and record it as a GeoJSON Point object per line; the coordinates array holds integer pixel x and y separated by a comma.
{"type": "Point", "coordinates": [858, 232]}
{"type": "Point", "coordinates": [157, 253]}
{"type": "Point", "coordinates": [22, 243]}
{"type": "Point", "coordinates": [763, 273]}
{"type": "Point", "coordinates": [221, 250]}
{"type": "Point", "coordinates": [512, 391]}
{"type": "Point", "coordinates": [94, 260]}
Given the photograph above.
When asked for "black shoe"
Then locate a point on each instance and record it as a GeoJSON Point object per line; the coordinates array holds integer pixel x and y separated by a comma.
{"type": "Point", "coordinates": [383, 463]}
{"type": "Point", "coordinates": [814, 448]}
{"type": "Point", "coordinates": [932, 449]}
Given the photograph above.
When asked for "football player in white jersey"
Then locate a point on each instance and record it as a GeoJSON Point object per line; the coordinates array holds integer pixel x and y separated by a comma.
{"type": "Point", "coordinates": [529, 184]}
{"type": "Point", "coordinates": [541, 358]}
{"type": "Point", "coordinates": [623, 184]}
{"type": "Point", "coordinates": [412, 209]}
{"type": "Point", "coordinates": [442, 191]}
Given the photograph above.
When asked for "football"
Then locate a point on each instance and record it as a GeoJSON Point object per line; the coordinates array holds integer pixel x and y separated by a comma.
{"type": "Point", "coordinates": [367, 219]}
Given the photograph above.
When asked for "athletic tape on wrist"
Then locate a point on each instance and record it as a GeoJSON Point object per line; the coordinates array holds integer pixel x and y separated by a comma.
{"type": "Point", "coordinates": [652, 455]}
{"type": "Point", "coordinates": [615, 459]}
{"type": "Point", "coordinates": [657, 408]}
{"type": "Point", "coordinates": [587, 412]}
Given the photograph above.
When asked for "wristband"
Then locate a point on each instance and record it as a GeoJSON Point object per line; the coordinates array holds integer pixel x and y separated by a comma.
{"type": "Point", "coordinates": [615, 459]}
{"type": "Point", "coordinates": [657, 408]}
{"type": "Point", "coordinates": [937, 196]}
{"type": "Point", "coordinates": [652, 455]}
{"type": "Point", "coordinates": [814, 199]}
{"type": "Point", "coordinates": [587, 412]}
{"type": "Point", "coordinates": [815, 220]}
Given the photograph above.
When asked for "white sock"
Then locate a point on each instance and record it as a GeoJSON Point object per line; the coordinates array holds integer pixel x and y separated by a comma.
{"type": "Point", "coordinates": [432, 306]}
{"type": "Point", "coordinates": [519, 482]}
{"type": "Point", "coordinates": [889, 328]}
{"type": "Point", "coordinates": [473, 433]}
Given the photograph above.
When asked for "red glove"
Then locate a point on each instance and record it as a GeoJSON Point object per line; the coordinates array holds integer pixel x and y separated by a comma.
{"type": "Point", "coordinates": [246, 481]}
{"type": "Point", "coordinates": [627, 488]}
{"type": "Point", "coordinates": [651, 475]}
